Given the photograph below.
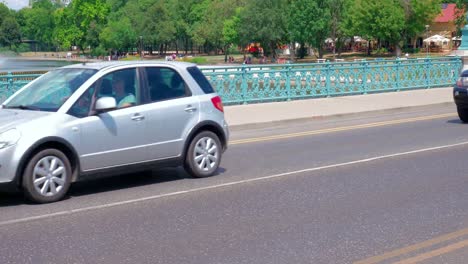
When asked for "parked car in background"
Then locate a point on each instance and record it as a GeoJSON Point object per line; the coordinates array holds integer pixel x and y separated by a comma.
{"type": "Point", "coordinates": [460, 95]}
{"type": "Point", "coordinates": [109, 118]}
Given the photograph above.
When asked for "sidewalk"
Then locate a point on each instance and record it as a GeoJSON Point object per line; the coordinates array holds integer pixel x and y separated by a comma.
{"type": "Point", "coordinates": [240, 115]}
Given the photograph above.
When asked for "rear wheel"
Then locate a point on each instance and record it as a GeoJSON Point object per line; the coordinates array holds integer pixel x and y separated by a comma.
{"type": "Point", "coordinates": [47, 176]}
{"type": "Point", "coordinates": [203, 155]}
{"type": "Point", "coordinates": [463, 114]}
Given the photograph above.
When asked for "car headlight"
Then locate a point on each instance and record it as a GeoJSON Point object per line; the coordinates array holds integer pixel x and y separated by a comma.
{"type": "Point", "coordinates": [9, 138]}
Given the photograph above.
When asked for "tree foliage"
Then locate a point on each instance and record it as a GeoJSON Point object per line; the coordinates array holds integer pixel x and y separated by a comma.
{"type": "Point", "coordinates": [215, 25]}
{"type": "Point", "coordinates": [264, 21]}
{"type": "Point", "coordinates": [392, 20]}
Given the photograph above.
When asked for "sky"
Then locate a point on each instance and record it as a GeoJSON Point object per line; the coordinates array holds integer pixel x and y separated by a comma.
{"type": "Point", "coordinates": [15, 4]}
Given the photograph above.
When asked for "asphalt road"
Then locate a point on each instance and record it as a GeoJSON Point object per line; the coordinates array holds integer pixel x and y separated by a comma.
{"type": "Point", "coordinates": [387, 187]}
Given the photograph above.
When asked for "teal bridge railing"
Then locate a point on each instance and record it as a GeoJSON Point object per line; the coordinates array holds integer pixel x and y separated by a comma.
{"type": "Point", "coordinates": [11, 82]}
{"type": "Point", "coordinates": [281, 82]}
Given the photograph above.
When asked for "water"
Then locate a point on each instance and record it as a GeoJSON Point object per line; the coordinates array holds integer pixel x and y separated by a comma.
{"type": "Point", "coordinates": [21, 65]}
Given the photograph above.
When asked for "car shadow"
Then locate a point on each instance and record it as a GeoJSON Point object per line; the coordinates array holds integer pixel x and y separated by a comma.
{"type": "Point", "coordinates": [455, 121]}
{"type": "Point", "coordinates": [109, 184]}
{"type": "Point", "coordinates": [125, 181]}
{"type": "Point", "coordinates": [12, 199]}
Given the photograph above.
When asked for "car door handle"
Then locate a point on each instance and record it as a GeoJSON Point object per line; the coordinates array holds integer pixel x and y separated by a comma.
{"type": "Point", "coordinates": [138, 117]}
{"type": "Point", "coordinates": [190, 108]}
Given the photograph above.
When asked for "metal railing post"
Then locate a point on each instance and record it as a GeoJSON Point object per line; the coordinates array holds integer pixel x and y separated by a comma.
{"type": "Point", "coordinates": [244, 85]}
{"type": "Point", "coordinates": [327, 78]}
{"type": "Point", "coordinates": [288, 82]}
{"type": "Point", "coordinates": [364, 77]}
{"type": "Point", "coordinates": [9, 77]}
{"type": "Point", "coordinates": [428, 72]}
{"type": "Point", "coordinates": [397, 77]}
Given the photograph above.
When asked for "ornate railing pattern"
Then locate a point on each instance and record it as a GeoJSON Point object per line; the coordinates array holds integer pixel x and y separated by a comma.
{"type": "Point", "coordinates": [10, 83]}
{"type": "Point", "coordinates": [264, 83]}
{"type": "Point", "coordinates": [280, 82]}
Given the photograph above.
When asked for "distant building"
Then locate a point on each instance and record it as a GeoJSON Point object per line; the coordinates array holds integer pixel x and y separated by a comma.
{"type": "Point", "coordinates": [444, 26]}
{"type": "Point", "coordinates": [444, 23]}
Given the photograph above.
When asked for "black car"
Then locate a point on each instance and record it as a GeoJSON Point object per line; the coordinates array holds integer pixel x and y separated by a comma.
{"type": "Point", "coordinates": [460, 95]}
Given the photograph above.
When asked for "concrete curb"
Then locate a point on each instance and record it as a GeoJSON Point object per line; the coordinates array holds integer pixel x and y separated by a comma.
{"type": "Point", "coordinates": [267, 114]}
{"type": "Point", "coordinates": [325, 117]}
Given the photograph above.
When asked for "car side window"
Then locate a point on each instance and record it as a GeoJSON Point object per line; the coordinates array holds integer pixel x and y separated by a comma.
{"type": "Point", "coordinates": [165, 84]}
{"type": "Point", "coordinates": [123, 85]}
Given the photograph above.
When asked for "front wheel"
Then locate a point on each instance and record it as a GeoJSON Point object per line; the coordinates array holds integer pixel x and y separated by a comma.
{"type": "Point", "coordinates": [47, 176]}
{"type": "Point", "coordinates": [203, 155]}
{"type": "Point", "coordinates": [463, 114]}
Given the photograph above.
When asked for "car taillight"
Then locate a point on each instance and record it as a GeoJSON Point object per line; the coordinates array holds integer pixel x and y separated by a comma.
{"type": "Point", "coordinates": [459, 82]}
{"type": "Point", "coordinates": [218, 103]}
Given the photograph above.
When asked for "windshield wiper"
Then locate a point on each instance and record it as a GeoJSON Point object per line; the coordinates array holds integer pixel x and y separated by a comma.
{"type": "Point", "coordinates": [22, 107]}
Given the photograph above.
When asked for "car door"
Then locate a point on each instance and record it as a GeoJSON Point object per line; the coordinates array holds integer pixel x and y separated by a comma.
{"type": "Point", "coordinates": [171, 112]}
{"type": "Point", "coordinates": [116, 137]}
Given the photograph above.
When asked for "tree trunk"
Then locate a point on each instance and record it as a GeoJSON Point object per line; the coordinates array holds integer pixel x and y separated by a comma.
{"type": "Point", "coordinates": [273, 50]}
{"type": "Point", "coordinates": [397, 50]}
{"type": "Point", "coordinates": [226, 53]}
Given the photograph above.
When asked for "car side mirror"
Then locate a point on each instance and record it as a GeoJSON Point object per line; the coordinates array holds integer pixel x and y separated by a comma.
{"type": "Point", "coordinates": [104, 104]}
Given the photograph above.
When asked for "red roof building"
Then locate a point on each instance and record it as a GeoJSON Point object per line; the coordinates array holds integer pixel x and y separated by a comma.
{"type": "Point", "coordinates": [449, 14]}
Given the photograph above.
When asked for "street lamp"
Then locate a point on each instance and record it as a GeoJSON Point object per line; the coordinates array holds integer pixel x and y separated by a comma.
{"type": "Point", "coordinates": [427, 44]}
{"type": "Point", "coordinates": [141, 47]}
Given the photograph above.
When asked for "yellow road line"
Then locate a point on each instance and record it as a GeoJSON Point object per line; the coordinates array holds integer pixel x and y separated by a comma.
{"type": "Point", "coordinates": [338, 129]}
{"type": "Point", "coordinates": [414, 247]}
{"type": "Point", "coordinates": [435, 253]}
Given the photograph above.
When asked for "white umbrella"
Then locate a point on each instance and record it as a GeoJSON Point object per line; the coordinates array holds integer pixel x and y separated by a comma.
{"type": "Point", "coordinates": [456, 38]}
{"type": "Point", "coordinates": [437, 39]}
{"type": "Point", "coordinates": [359, 39]}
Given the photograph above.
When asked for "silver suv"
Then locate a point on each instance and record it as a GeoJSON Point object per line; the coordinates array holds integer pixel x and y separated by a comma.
{"type": "Point", "coordinates": [108, 118]}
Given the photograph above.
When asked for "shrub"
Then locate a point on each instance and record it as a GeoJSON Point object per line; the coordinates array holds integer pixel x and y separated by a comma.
{"type": "Point", "coordinates": [196, 60]}
{"type": "Point", "coordinates": [411, 50]}
{"type": "Point", "coordinates": [99, 51]}
{"type": "Point", "coordinates": [380, 51]}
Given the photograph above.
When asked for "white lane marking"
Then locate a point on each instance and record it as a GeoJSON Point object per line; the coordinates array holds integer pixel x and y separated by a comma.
{"type": "Point", "coordinates": [103, 206]}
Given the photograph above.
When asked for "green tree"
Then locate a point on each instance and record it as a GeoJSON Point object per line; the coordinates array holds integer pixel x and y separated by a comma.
{"type": "Point", "coordinates": [339, 11]}
{"type": "Point", "coordinates": [75, 21]}
{"type": "Point", "coordinates": [310, 22]}
{"type": "Point", "coordinates": [460, 21]}
{"type": "Point", "coordinates": [10, 33]}
{"type": "Point", "coordinates": [182, 15]}
{"type": "Point", "coordinates": [38, 22]}
{"type": "Point", "coordinates": [158, 26]}
{"type": "Point", "coordinates": [231, 31]}
{"type": "Point", "coordinates": [118, 35]}
{"type": "Point", "coordinates": [419, 13]}
{"type": "Point", "coordinates": [66, 33]}
{"type": "Point", "coordinates": [4, 12]}
{"type": "Point", "coordinates": [264, 21]}
{"type": "Point", "coordinates": [392, 20]}
{"type": "Point", "coordinates": [208, 28]}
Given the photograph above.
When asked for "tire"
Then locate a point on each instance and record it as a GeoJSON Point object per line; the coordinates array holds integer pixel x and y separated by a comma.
{"type": "Point", "coordinates": [203, 155]}
{"type": "Point", "coordinates": [47, 176]}
{"type": "Point", "coordinates": [463, 114]}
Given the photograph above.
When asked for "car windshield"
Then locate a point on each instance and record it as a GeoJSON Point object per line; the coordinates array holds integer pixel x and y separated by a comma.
{"type": "Point", "coordinates": [51, 90]}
